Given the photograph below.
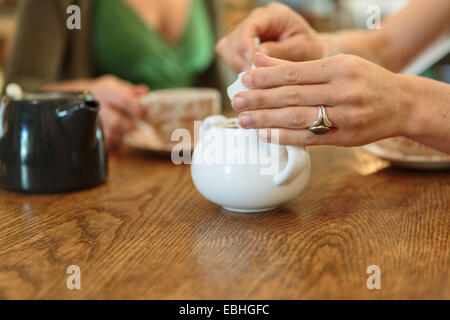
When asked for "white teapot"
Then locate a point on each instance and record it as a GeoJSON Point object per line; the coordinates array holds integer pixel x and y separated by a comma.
{"type": "Point", "coordinates": [232, 167]}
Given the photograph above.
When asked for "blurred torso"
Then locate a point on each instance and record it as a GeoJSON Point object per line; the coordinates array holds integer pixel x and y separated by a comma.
{"type": "Point", "coordinates": [163, 44]}
{"type": "Point", "coordinates": [168, 17]}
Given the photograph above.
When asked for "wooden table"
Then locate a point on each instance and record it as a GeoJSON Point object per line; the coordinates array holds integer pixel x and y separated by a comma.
{"type": "Point", "coordinates": [148, 233]}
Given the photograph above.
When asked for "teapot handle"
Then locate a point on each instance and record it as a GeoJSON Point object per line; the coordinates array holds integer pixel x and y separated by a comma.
{"type": "Point", "coordinates": [211, 121]}
{"type": "Point", "coordinates": [297, 161]}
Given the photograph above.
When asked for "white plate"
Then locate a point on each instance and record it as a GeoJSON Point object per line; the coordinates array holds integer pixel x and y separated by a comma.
{"type": "Point", "coordinates": [410, 161]}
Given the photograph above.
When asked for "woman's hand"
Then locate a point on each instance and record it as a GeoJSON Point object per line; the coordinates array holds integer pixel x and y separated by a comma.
{"type": "Point", "coordinates": [283, 33]}
{"type": "Point", "coordinates": [120, 103]}
{"type": "Point", "coordinates": [364, 101]}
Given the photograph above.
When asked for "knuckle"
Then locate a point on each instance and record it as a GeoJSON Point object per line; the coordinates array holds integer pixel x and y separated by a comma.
{"type": "Point", "coordinates": [260, 78]}
{"type": "Point", "coordinates": [357, 120]}
{"type": "Point", "coordinates": [363, 120]}
{"type": "Point", "coordinates": [108, 78]}
{"type": "Point", "coordinates": [353, 121]}
{"type": "Point", "coordinates": [352, 66]}
{"type": "Point", "coordinates": [291, 74]}
{"type": "Point", "coordinates": [257, 11]}
{"type": "Point", "coordinates": [292, 96]}
{"type": "Point", "coordinates": [357, 93]}
{"type": "Point", "coordinates": [258, 99]}
{"type": "Point", "coordinates": [310, 139]}
{"type": "Point", "coordinates": [339, 58]}
{"type": "Point", "coordinates": [283, 136]}
{"type": "Point", "coordinates": [275, 5]}
{"type": "Point", "coordinates": [349, 94]}
{"type": "Point", "coordinates": [348, 59]}
{"type": "Point", "coordinates": [297, 119]}
{"type": "Point", "coordinates": [345, 94]}
{"type": "Point", "coordinates": [261, 119]}
{"type": "Point", "coordinates": [352, 93]}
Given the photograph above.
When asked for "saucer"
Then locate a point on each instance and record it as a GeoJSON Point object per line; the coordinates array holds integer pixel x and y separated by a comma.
{"type": "Point", "coordinates": [406, 153]}
{"type": "Point", "coordinates": [171, 109]}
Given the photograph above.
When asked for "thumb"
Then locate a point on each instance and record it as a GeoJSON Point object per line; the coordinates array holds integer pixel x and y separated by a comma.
{"type": "Point", "coordinates": [292, 49]}
{"type": "Point", "coordinates": [261, 60]}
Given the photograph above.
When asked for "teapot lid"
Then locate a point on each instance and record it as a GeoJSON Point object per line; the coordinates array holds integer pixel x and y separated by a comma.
{"type": "Point", "coordinates": [42, 96]}
{"type": "Point", "coordinates": [52, 99]}
{"type": "Point", "coordinates": [15, 93]}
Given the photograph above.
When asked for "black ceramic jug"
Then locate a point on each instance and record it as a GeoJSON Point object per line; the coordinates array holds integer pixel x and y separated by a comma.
{"type": "Point", "coordinates": [51, 142]}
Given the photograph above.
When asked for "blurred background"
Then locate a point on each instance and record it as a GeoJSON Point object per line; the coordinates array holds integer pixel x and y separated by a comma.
{"type": "Point", "coordinates": [323, 15]}
{"type": "Point", "coordinates": [7, 12]}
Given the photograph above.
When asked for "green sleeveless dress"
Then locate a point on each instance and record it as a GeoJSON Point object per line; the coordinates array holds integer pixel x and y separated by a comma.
{"type": "Point", "coordinates": [125, 46]}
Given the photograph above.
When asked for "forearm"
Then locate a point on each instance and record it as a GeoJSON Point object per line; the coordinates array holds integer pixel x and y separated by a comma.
{"type": "Point", "coordinates": [401, 38]}
{"type": "Point", "coordinates": [365, 44]}
{"type": "Point", "coordinates": [429, 119]}
{"type": "Point", "coordinates": [68, 85]}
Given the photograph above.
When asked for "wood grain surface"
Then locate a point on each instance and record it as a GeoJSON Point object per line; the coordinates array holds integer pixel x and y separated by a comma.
{"type": "Point", "coordinates": [148, 233]}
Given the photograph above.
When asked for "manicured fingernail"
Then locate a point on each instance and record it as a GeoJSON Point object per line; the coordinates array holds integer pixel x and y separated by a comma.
{"type": "Point", "coordinates": [239, 103]}
{"type": "Point", "coordinates": [245, 120]}
{"type": "Point", "coordinates": [247, 80]}
{"type": "Point", "coordinates": [264, 134]}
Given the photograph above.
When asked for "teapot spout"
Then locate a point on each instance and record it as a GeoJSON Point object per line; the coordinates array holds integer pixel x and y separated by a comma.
{"type": "Point", "coordinates": [89, 121]}
{"type": "Point", "coordinates": [80, 123]}
{"type": "Point", "coordinates": [91, 105]}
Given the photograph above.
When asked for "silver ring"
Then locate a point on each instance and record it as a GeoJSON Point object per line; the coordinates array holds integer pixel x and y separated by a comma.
{"type": "Point", "coordinates": [322, 124]}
